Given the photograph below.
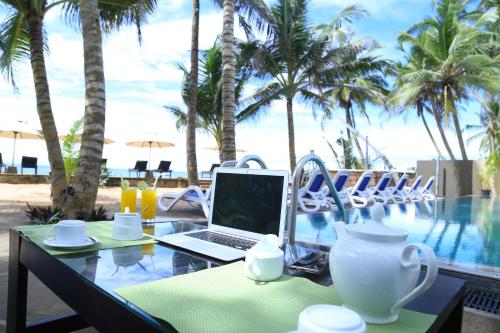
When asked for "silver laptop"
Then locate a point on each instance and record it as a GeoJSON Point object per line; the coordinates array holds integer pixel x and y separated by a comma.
{"type": "Point", "coordinates": [246, 204]}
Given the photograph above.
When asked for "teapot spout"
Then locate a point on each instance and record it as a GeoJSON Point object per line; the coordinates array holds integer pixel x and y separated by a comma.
{"type": "Point", "coordinates": [340, 229]}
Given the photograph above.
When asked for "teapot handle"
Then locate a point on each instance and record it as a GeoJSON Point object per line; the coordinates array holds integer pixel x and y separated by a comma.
{"type": "Point", "coordinates": [430, 277]}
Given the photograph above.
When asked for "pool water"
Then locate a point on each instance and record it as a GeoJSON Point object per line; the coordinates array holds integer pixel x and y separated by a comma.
{"type": "Point", "coordinates": [463, 232]}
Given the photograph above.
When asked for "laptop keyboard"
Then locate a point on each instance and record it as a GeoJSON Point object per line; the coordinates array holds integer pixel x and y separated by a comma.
{"type": "Point", "coordinates": [213, 237]}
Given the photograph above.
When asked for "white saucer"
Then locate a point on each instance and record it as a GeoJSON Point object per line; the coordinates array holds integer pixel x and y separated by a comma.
{"type": "Point", "coordinates": [89, 241]}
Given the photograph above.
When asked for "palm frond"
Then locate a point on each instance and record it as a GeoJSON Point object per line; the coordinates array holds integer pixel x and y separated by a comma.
{"type": "Point", "coordinates": [14, 38]}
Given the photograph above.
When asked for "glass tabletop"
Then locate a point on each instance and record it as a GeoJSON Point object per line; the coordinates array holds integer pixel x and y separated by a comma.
{"type": "Point", "coordinates": [110, 269]}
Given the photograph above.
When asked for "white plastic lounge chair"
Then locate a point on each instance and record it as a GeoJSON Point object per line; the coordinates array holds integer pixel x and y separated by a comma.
{"type": "Point", "coordinates": [191, 194]}
{"type": "Point", "coordinates": [413, 193]}
{"type": "Point", "coordinates": [381, 191]}
{"type": "Point", "coordinates": [426, 191]}
{"type": "Point", "coordinates": [398, 192]}
{"type": "Point", "coordinates": [340, 182]}
{"type": "Point", "coordinates": [360, 193]}
{"type": "Point", "coordinates": [311, 197]}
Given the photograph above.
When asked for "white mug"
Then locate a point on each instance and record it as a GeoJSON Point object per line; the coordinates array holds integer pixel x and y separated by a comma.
{"type": "Point", "coordinates": [70, 232]}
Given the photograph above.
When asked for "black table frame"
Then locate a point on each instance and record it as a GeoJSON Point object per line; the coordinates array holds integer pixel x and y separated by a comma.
{"type": "Point", "coordinates": [96, 307]}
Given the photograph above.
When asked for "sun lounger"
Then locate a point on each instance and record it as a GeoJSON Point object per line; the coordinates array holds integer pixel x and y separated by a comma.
{"type": "Point", "coordinates": [29, 163]}
{"type": "Point", "coordinates": [163, 167]}
{"type": "Point", "coordinates": [140, 166]}
{"type": "Point", "coordinates": [381, 191]}
{"type": "Point", "coordinates": [209, 172]}
{"type": "Point", "coordinates": [340, 182]}
{"type": "Point", "coordinates": [426, 191]}
{"type": "Point", "coordinates": [191, 194]}
{"type": "Point", "coordinates": [413, 193]}
{"type": "Point", "coordinates": [360, 193]}
{"type": "Point", "coordinates": [311, 197]}
{"type": "Point", "coordinates": [2, 165]}
{"type": "Point", "coordinates": [398, 192]}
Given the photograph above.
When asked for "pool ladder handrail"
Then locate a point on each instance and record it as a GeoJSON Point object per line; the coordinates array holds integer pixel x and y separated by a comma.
{"type": "Point", "coordinates": [292, 212]}
{"type": "Point", "coordinates": [241, 163]}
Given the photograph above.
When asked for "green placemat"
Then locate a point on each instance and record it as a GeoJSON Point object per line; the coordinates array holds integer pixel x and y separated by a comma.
{"type": "Point", "coordinates": [223, 300]}
{"type": "Point", "coordinates": [101, 230]}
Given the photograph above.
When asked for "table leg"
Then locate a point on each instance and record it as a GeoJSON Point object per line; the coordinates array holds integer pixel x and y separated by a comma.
{"type": "Point", "coordinates": [18, 287]}
{"type": "Point", "coordinates": [454, 321]}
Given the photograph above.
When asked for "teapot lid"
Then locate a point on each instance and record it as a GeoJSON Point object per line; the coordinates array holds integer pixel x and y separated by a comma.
{"type": "Point", "coordinates": [376, 229]}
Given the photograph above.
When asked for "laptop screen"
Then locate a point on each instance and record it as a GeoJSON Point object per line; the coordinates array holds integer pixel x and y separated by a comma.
{"type": "Point", "coordinates": [249, 202]}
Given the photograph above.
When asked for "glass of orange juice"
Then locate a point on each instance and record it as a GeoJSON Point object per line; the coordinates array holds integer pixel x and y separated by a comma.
{"type": "Point", "coordinates": [129, 199]}
{"type": "Point", "coordinates": [148, 205]}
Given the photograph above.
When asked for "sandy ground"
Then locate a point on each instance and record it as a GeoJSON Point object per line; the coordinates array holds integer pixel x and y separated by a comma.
{"type": "Point", "coordinates": [43, 303]}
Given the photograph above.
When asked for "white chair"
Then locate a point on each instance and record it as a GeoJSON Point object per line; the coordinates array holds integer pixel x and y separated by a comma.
{"type": "Point", "coordinates": [360, 195]}
{"type": "Point", "coordinates": [413, 193]}
{"type": "Point", "coordinates": [192, 194]}
{"type": "Point", "coordinates": [311, 197]}
{"type": "Point", "coordinates": [381, 191]}
{"type": "Point", "coordinates": [340, 182]}
{"type": "Point", "coordinates": [398, 192]}
{"type": "Point", "coordinates": [426, 191]}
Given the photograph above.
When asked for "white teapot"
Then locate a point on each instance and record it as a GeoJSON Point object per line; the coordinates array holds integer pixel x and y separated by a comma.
{"type": "Point", "coordinates": [375, 271]}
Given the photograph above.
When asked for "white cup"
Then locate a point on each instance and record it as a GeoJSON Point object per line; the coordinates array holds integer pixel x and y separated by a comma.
{"type": "Point", "coordinates": [324, 318]}
{"type": "Point", "coordinates": [70, 232]}
{"type": "Point", "coordinates": [127, 226]}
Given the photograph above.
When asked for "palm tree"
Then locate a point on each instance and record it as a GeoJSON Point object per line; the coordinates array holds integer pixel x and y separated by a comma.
{"type": "Point", "coordinates": [254, 10]}
{"type": "Point", "coordinates": [289, 57]}
{"type": "Point", "coordinates": [455, 56]}
{"type": "Point", "coordinates": [86, 179]}
{"type": "Point", "coordinates": [22, 37]}
{"type": "Point", "coordinates": [408, 93]}
{"type": "Point", "coordinates": [210, 102]}
{"type": "Point", "coordinates": [111, 15]}
{"type": "Point", "coordinates": [193, 93]}
{"type": "Point", "coordinates": [489, 129]}
{"type": "Point", "coordinates": [357, 78]}
{"type": "Point", "coordinates": [228, 83]}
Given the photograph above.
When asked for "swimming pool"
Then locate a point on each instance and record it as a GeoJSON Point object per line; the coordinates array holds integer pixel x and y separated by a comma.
{"type": "Point", "coordinates": [463, 232]}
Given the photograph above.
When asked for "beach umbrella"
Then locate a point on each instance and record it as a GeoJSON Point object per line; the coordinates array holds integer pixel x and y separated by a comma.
{"type": "Point", "coordinates": [19, 130]}
{"type": "Point", "coordinates": [238, 150]}
{"type": "Point", "coordinates": [150, 143]}
{"type": "Point", "coordinates": [106, 140]}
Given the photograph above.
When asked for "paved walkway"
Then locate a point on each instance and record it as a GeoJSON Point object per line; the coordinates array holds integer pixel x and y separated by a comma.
{"type": "Point", "coordinates": [43, 303]}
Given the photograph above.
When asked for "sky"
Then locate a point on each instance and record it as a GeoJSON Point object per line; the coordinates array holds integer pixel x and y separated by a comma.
{"type": "Point", "coordinates": [141, 79]}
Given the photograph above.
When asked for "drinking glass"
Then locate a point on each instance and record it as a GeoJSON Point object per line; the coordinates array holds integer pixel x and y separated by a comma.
{"type": "Point", "coordinates": [129, 199]}
{"type": "Point", "coordinates": [148, 206]}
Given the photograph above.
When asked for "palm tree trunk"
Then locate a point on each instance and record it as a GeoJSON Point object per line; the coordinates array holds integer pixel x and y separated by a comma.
{"type": "Point", "coordinates": [86, 178]}
{"type": "Point", "coordinates": [440, 127]}
{"type": "Point", "coordinates": [44, 108]}
{"type": "Point", "coordinates": [228, 83]}
{"type": "Point", "coordinates": [356, 140]}
{"type": "Point", "coordinates": [421, 113]}
{"type": "Point", "coordinates": [192, 167]}
{"type": "Point", "coordinates": [291, 133]}
{"type": "Point", "coordinates": [459, 135]}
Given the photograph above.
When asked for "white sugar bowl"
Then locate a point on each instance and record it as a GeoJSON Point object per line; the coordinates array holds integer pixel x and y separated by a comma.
{"type": "Point", "coordinates": [264, 261]}
{"type": "Point", "coordinates": [127, 227]}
